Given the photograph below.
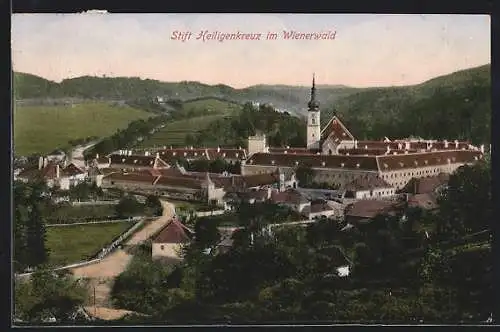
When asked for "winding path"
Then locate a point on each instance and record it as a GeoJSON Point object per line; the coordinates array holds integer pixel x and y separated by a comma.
{"type": "Point", "coordinates": [102, 273]}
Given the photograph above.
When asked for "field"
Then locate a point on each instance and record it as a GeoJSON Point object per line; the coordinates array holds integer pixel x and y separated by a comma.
{"type": "Point", "coordinates": [174, 133]}
{"type": "Point", "coordinates": [42, 129]}
{"type": "Point", "coordinates": [69, 213]}
{"type": "Point", "coordinates": [73, 244]}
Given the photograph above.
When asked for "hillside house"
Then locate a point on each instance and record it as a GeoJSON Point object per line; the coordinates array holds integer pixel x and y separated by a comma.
{"type": "Point", "coordinates": [368, 188]}
{"type": "Point", "coordinates": [167, 245]}
{"type": "Point", "coordinates": [365, 210]}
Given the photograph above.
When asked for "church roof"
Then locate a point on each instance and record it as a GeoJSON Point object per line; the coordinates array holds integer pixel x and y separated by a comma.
{"type": "Point", "coordinates": [337, 130]}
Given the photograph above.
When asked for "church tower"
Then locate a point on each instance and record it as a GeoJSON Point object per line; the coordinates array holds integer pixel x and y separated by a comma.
{"type": "Point", "coordinates": [313, 120]}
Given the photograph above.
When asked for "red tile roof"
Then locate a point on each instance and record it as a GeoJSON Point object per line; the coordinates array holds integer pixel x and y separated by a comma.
{"type": "Point", "coordinates": [426, 185]}
{"type": "Point", "coordinates": [71, 170]}
{"type": "Point", "coordinates": [195, 153]}
{"type": "Point", "coordinates": [316, 208]}
{"type": "Point", "coordinates": [136, 160]}
{"type": "Point", "coordinates": [366, 183]}
{"type": "Point", "coordinates": [182, 182]}
{"type": "Point", "coordinates": [289, 196]}
{"type": "Point", "coordinates": [369, 208]}
{"type": "Point", "coordinates": [371, 151]}
{"type": "Point", "coordinates": [173, 232]}
{"type": "Point", "coordinates": [319, 161]}
{"type": "Point", "coordinates": [336, 129]}
{"type": "Point", "coordinates": [404, 161]}
{"type": "Point", "coordinates": [425, 201]}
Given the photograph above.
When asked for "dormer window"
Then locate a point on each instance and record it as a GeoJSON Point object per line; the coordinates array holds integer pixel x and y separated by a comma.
{"type": "Point", "coordinates": [449, 161]}
{"type": "Point", "coordinates": [224, 154]}
{"type": "Point", "coordinates": [237, 154]}
{"type": "Point", "coordinates": [285, 152]}
{"type": "Point", "coordinates": [475, 157]}
{"type": "Point", "coordinates": [366, 147]}
{"type": "Point", "coordinates": [251, 161]}
{"type": "Point", "coordinates": [185, 154]}
{"type": "Point", "coordinates": [453, 159]}
{"type": "Point", "coordinates": [123, 160]}
{"type": "Point", "coordinates": [196, 153]}
{"type": "Point", "coordinates": [135, 161]}
{"type": "Point", "coordinates": [323, 164]}
{"type": "Point", "coordinates": [343, 134]}
{"type": "Point", "coordinates": [426, 162]}
{"type": "Point", "coordinates": [416, 163]}
{"type": "Point", "coordinates": [357, 165]}
{"type": "Point", "coordinates": [296, 162]}
{"type": "Point", "coordinates": [272, 162]}
{"type": "Point", "coordinates": [342, 165]}
{"type": "Point", "coordinates": [151, 162]}
{"type": "Point", "coordinates": [386, 166]}
{"type": "Point", "coordinates": [401, 164]}
{"type": "Point", "coordinates": [394, 153]}
{"type": "Point", "coordinates": [173, 153]}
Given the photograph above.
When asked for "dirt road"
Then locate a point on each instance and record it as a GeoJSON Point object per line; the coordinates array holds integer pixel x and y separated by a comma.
{"type": "Point", "coordinates": [101, 274]}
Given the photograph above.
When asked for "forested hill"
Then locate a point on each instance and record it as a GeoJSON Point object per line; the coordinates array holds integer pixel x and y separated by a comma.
{"type": "Point", "coordinates": [457, 105]}
{"type": "Point", "coordinates": [290, 98]}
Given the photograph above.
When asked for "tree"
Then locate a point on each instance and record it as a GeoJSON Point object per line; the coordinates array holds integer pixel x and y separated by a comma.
{"type": "Point", "coordinates": [153, 202]}
{"type": "Point", "coordinates": [29, 224]}
{"type": "Point", "coordinates": [206, 233]}
{"type": "Point", "coordinates": [128, 206]}
{"type": "Point", "coordinates": [465, 204]}
{"type": "Point", "coordinates": [305, 175]}
{"type": "Point", "coordinates": [48, 295]}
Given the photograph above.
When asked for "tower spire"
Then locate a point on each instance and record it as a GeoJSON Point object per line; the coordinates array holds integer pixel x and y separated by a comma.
{"type": "Point", "coordinates": [313, 104]}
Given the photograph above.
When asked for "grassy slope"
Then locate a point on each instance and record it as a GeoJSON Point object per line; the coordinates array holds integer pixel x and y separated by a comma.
{"type": "Point", "coordinates": [72, 244]}
{"type": "Point", "coordinates": [174, 133]}
{"type": "Point", "coordinates": [41, 129]}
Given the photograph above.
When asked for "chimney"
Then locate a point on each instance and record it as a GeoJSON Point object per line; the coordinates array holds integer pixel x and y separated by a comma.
{"type": "Point", "coordinates": [97, 156]}
{"type": "Point", "coordinates": [45, 162]}
{"type": "Point", "coordinates": [355, 144]}
{"type": "Point", "coordinates": [482, 148]}
{"type": "Point", "coordinates": [407, 145]}
{"type": "Point", "coordinates": [388, 149]}
{"type": "Point", "coordinates": [40, 162]}
{"type": "Point", "coordinates": [446, 144]}
{"type": "Point", "coordinates": [456, 144]}
{"type": "Point", "coordinates": [57, 171]}
{"type": "Point", "coordinates": [269, 190]}
{"type": "Point", "coordinates": [218, 149]}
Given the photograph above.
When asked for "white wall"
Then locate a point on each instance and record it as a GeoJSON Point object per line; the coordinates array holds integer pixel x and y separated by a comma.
{"type": "Point", "coordinates": [167, 250]}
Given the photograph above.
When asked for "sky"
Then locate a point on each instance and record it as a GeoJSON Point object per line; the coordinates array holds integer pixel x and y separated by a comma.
{"type": "Point", "coordinates": [368, 49]}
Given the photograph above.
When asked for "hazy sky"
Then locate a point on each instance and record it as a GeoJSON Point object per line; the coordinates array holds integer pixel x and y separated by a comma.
{"type": "Point", "coordinates": [368, 50]}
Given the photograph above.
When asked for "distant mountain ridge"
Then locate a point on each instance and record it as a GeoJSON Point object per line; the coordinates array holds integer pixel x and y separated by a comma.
{"type": "Point", "coordinates": [456, 105]}
{"type": "Point", "coordinates": [290, 98]}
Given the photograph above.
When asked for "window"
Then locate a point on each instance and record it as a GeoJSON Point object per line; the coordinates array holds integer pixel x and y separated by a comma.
{"type": "Point", "coordinates": [162, 247]}
{"type": "Point", "coordinates": [313, 121]}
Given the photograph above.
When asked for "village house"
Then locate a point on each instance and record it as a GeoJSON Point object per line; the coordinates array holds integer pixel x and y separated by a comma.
{"type": "Point", "coordinates": [167, 245]}
{"type": "Point", "coordinates": [54, 174]}
{"type": "Point", "coordinates": [368, 188]}
{"type": "Point", "coordinates": [125, 160]}
{"type": "Point", "coordinates": [363, 211]}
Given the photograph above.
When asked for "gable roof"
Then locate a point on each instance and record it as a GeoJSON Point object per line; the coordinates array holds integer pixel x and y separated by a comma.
{"type": "Point", "coordinates": [314, 160]}
{"type": "Point", "coordinates": [369, 208]}
{"type": "Point", "coordinates": [137, 161]}
{"type": "Point", "coordinates": [71, 170]}
{"type": "Point", "coordinates": [426, 185]}
{"type": "Point", "coordinates": [290, 196]}
{"type": "Point", "coordinates": [336, 129]}
{"type": "Point", "coordinates": [427, 159]}
{"type": "Point", "coordinates": [426, 201]}
{"type": "Point", "coordinates": [174, 232]}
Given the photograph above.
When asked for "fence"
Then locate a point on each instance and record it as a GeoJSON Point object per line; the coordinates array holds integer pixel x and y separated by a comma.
{"type": "Point", "coordinates": [100, 256]}
{"type": "Point", "coordinates": [100, 222]}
